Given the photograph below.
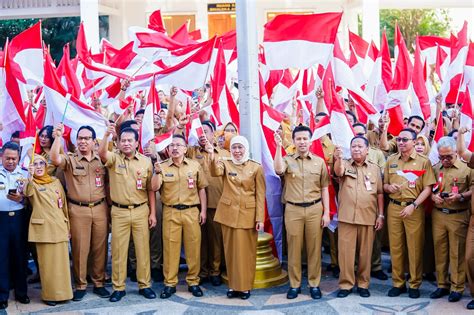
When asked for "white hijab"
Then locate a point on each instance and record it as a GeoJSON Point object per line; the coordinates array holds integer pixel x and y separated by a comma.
{"type": "Point", "coordinates": [240, 140]}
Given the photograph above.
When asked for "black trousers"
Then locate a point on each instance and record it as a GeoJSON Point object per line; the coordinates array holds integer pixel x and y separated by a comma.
{"type": "Point", "coordinates": [13, 262]}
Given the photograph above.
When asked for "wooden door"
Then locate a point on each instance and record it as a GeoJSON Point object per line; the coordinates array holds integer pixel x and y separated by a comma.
{"type": "Point", "coordinates": [219, 24]}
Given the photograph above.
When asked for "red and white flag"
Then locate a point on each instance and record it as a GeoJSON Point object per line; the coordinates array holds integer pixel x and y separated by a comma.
{"type": "Point", "coordinates": [411, 175]}
{"type": "Point", "coordinates": [439, 133]}
{"type": "Point", "coordinates": [290, 41]}
{"type": "Point", "coordinates": [163, 141]}
{"type": "Point", "coordinates": [429, 46]}
{"type": "Point", "coordinates": [155, 22]}
{"type": "Point", "coordinates": [147, 130]}
{"type": "Point", "coordinates": [421, 102]}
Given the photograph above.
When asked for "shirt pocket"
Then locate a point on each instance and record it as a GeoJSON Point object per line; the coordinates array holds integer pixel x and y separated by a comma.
{"type": "Point", "coordinates": [37, 221]}
{"type": "Point", "coordinates": [80, 175]}
{"type": "Point", "coordinates": [350, 179]}
{"type": "Point", "coordinates": [120, 174]}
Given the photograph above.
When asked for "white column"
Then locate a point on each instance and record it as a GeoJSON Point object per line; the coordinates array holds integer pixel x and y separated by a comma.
{"type": "Point", "coordinates": [371, 21]}
{"type": "Point", "coordinates": [201, 18]}
{"type": "Point", "coordinates": [90, 17]}
{"type": "Point", "coordinates": [249, 96]}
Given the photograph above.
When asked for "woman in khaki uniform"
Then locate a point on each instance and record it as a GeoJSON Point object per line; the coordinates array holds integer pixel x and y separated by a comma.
{"type": "Point", "coordinates": [240, 212]}
{"type": "Point", "coordinates": [49, 229]}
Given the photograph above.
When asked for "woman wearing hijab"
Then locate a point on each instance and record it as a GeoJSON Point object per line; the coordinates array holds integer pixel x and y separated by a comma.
{"type": "Point", "coordinates": [225, 135]}
{"type": "Point", "coordinates": [240, 212]}
{"type": "Point", "coordinates": [49, 229]}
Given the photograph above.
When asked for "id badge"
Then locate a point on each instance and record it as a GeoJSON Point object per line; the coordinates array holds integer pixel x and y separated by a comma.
{"type": "Point", "coordinates": [368, 185]}
{"type": "Point", "coordinates": [98, 181]}
{"type": "Point", "coordinates": [190, 183]}
{"type": "Point", "coordinates": [139, 184]}
{"type": "Point", "coordinates": [411, 184]}
{"type": "Point", "coordinates": [60, 202]}
{"type": "Point", "coordinates": [455, 190]}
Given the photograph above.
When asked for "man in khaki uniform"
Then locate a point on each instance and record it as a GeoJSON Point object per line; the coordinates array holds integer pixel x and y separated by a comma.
{"type": "Point", "coordinates": [182, 187]}
{"type": "Point", "coordinates": [408, 178]}
{"type": "Point", "coordinates": [450, 220]}
{"type": "Point", "coordinates": [211, 234]}
{"type": "Point", "coordinates": [467, 155]}
{"type": "Point", "coordinates": [360, 208]}
{"type": "Point", "coordinates": [85, 177]}
{"type": "Point", "coordinates": [306, 184]}
{"type": "Point", "coordinates": [133, 209]}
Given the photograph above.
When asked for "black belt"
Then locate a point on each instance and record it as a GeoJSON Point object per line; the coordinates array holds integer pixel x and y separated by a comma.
{"type": "Point", "coordinates": [182, 207]}
{"type": "Point", "coordinates": [127, 206]}
{"type": "Point", "coordinates": [86, 204]}
{"type": "Point", "coordinates": [304, 204]}
{"type": "Point", "coordinates": [11, 213]}
{"type": "Point", "coordinates": [401, 203]}
{"type": "Point", "coordinates": [450, 211]}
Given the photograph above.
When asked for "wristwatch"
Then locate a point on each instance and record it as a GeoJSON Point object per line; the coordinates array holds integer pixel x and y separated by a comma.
{"type": "Point", "coordinates": [414, 204]}
{"type": "Point", "coordinates": [462, 199]}
{"type": "Point", "coordinates": [381, 216]}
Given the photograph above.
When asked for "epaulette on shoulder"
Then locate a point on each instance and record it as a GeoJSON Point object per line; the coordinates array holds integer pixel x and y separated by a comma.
{"type": "Point", "coordinates": [255, 161]}
{"type": "Point", "coordinates": [164, 161]}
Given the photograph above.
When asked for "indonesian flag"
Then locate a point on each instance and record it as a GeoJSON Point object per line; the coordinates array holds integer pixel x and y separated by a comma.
{"type": "Point", "coordinates": [438, 186]}
{"type": "Point", "coordinates": [439, 132]}
{"type": "Point", "coordinates": [370, 59]}
{"type": "Point", "coordinates": [323, 127]}
{"type": "Point", "coordinates": [430, 45]}
{"type": "Point", "coordinates": [467, 119]}
{"type": "Point", "coordinates": [442, 63]}
{"type": "Point", "coordinates": [411, 175]}
{"type": "Point", "coordinates": [147, 130]}
{"type": "Point", "coordinates": [285, 91]}
{"type": "Point", "coordinates": [469, 69]}
{"type": "Point", "coordinates": [182, 35]}
{"type": "Point", "coordinates": [81, 43]}
{"type": "Point", "coordinates": [421, 101]}
{"type": "Point", "coordinates": [163, 141]}
{"type": "Point", "coordinates": [68, 76]}
{"type": "Point", "coordinates": [155, 22]}
{"type": "Point", "coordinates": [359, 49]}
{"type": "Point", "coordinates": [195, 131]}
{"type": "Point", "coordinates": [290, 41]}
{"type": "Point", "coordinates": [68, 109]}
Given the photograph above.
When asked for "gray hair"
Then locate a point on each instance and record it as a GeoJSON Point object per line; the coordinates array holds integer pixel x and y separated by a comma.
{"type": "Point", "coordinates": [447, 142]}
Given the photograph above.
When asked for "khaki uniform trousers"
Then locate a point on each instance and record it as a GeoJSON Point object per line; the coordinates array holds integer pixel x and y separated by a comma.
{"type": "Point", "coordinates": [352, 236]}
{"type": "Point", "coordinates": [134, 222]}
{"type": "Point", "coordinates": [376, 259]}
{"type": "Point", "coordinates": [211, 246]}
{"type": "Point", "coordinates": [406, 235]}
{"type": "Point", "coordinates": [156, 244]}
{"type": "Point", "coordinates": [428, 246]}
{"type": "Point", "coordinates": [470, 254]}
{"type": "Point", "coordinates": [89, 232]}
{"type": "Point", "coordinates": [181, 226]}
{"type": "Point", "coordinates": [304, 225]}
{"type": "Point", "coordinates": [333, 244]}
{"type": "Point", "coordinates": [449, 236]}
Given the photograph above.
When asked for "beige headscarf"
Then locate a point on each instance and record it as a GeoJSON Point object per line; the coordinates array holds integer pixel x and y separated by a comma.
{"type": "Point", "coordinates": [45, 178]}
{"type": "Point", "coordinates": [243, 141]}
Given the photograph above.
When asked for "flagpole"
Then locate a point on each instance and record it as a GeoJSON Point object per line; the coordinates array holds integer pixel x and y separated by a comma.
{"type": "Point", "coordinates": [64, 113]}
{"type": "Point", "coordinates": [459, 89]}
{"type": "Point", "coordinates": [34, 148]}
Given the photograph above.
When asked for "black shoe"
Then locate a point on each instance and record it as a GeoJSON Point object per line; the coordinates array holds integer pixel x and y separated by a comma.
{"type": "Point", "coordinates": [35, 279]}
{"type": "Point", "coordinates": [117, 296]}
{"type": "Point", "coordinates": [470, 305]}
{"type": "Point", "coordinates": [232, 294]}
{"type": "Point", "coordinates": [3, 305]}
{"type": "Point", "coordinates": [413, 293]}
{"type": "Point", "coordinates": [101, 292]}
{"type": "Point", "coordinates": [167, 292]}
{"type": "Point", "coordinates": [245, 295]}
{"type": "Point", "coordinates": [315, 292]}
{"type": "Point", "coordinates": [393, 292]}
{"type": "Point", "coordinates": [148, 293]}
{"type": "Point", "coordinates": [133, 275]}
{"type": "Point", "coordinates": [215, 280]}
{"type": "Point", "coordinates": [439, 293]}
{"type": "Point", "coordinates": [379, 274]}
{"type": "Point", "coordinates": [157, 275]}
{"type": "Point", "coordinates": [336, 271]}
{"type": "Point", "coordinates": [454, 296]}
{"type": "Point", "coordinates": [23, 299]}
{"type": "Point", "coordinates": [343, 293]}
{"type": "Point", "coordinates": [293, 293]}
{"type": "Point", "coordinates": [430, 276]}
{"type": "Point", "coordinates": [195, 290]}
{"type": "Point", "coordinates": [50, 303]}
{"type": "Point", "coordinates": [78, 295]}
{"type": "Point", "coordinates": [363, 292]}
{"type": "Point", "coordinates": [108, 280]}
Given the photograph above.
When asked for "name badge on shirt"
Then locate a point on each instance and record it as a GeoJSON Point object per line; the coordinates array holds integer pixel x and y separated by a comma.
{"type": "Point", "coordinates": [232, 174]}
{"type": "Point", "coordinates": [122, 166]}
{"type": "Point", "coordinates": [412, 184]}
{"type": "Point", "coordinates": [139, 184]}
{"type": "Point", "coordinates": [80, 168]}
{"type": "Point", "coordinates": [190, 183]}
{"type": "Point", "coordinates": [393, 165]}
{"type": "Point", "coordinates": [169, 175]}
{"type": "Point", "coordinates": [368, 184]}
{"type": "Point", "coordinates": [41, 189]}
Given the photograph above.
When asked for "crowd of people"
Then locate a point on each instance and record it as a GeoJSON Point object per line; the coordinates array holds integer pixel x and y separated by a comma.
{"type": "Point", "coordinates": [209, 198]}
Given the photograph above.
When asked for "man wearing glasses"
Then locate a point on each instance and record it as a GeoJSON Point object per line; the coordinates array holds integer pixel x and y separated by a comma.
{"type": "Point", "coordinates": [85, 177]}
{"type": "Point", "coordinates": [408, 178]}
{"type": "Point", "coordinates": [450, 220]}
{"type": "Point", "coordinates": [182, 185]}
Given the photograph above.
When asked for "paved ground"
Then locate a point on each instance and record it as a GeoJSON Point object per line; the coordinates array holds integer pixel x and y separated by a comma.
{"type": "Point", "coordinates": [264, 301]}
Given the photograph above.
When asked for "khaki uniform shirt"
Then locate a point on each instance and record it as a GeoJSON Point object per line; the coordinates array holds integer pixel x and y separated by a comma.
{"type": "Point", "coordinates": [49, 223]}
{"type": "Point", "coordinates": [216, 184]}
{"type": "Point", "coordinates": [464, 180]}
{"type": "Point", "coordinates": [374, 138]}
{"type": "Point", "coordinates": [80, 175]}
{"type": "Point", "coordinates": [377, 157]}
{"type": "Point", "coordinates": [243, 200]}
{"type": "Point", "coordinates": [124, 173]}
{"type": "Point", "coordinates": [328, 149]}
{"type": "Point", "coordinates": [415, 162]}
{"type": "Point", "coordinates": [359, 187]}
{"type": "Point", "coordinates": [179, 185]}
{"type": "Point", "coordinates": [304, 178]}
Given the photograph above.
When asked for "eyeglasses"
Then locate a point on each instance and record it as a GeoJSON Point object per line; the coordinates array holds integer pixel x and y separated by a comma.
{"type": "Point", "coordinates": [173, 145]}
{"type": "Point", "coordinates": [39, 164]}
{"type": "Point", "coordinates": [445, 157]}
{"type": "Point", "coordinates": [360, 134]}
{"type": "Point", "coordinates": [404, 140]}
{"type": "Point", "coordinates": [83, 138]}
{"type": "Point", "coordinates": [43, 137]}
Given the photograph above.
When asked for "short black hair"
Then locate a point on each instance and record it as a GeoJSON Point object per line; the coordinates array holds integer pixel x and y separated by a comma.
{"type": "Point", "coordinates": [16, 134]}
{"type": "Point", "coordinates": [301, 128]}
{"type": "Point", "coordinates": [128, 124]}
{"type": "Point", "coordinates": [87, 128]}
{"type": "Point", "coordinates": [10, 145]}
{"type": "Point", "coordinates": [348, 112]}
{"type": "Point", "coordinates": [452, 132]}
{"type": "Point", "coordinates": [49, 132]}
{"type": "Point", "coordinates": [413, 132]}
{"type": "Point", "coordinates": [129, 130]}
{"type": "Point", "coordinates": [179, 136]}
{"type": "Point", "coordinates": [419, 118]}
{"type": "Point", "coordinates": [362, 138]}
{"type": "Point", "coordinates": [360, 125]}
{"type": "Point", "coordinates": [210, 124]}
{"type": "Point", "coordinates": [140, 112]}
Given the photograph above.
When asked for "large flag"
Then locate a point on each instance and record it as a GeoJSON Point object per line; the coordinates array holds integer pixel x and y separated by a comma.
{"type": "Point", "coordinates": [439, 133]}
{"type": "Point", "coordinates": [290, 41]}
{"type": "Point", "coordinates": [147, 130]}
{"type": "Point", "coordinates": [421, 101]}
{"type": "Point", "coordinates": [155, 22]}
